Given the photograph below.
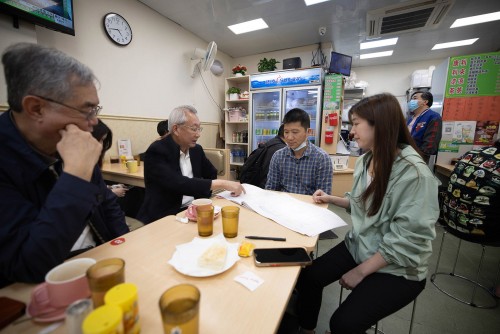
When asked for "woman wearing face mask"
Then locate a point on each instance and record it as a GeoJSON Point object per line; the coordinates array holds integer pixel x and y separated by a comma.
{"type": "Point", "coordinates": [424, 124]}
{"type": "Point", "coordinates": [384, 258]}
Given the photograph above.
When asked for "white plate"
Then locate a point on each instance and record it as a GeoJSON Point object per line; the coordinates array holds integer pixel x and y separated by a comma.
{"type": "Point", "coordinates": [185, 258]}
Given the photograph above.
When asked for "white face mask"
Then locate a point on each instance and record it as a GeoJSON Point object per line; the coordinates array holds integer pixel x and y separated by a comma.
{"type": "Point", "coordinates": [301, 146]}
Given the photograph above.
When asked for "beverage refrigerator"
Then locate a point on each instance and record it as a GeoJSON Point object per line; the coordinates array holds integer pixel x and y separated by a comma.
{"type": "Point", "coordinates": [273, 94]}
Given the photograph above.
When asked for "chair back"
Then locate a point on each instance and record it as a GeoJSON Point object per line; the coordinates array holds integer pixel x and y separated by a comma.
{"type": "Point", "coordinates": [219, 157]}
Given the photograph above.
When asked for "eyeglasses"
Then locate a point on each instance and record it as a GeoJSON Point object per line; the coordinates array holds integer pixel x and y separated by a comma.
{"type": "Point", "coordinates": [193, 128]}
{"type": "Point", "coordinates": [94, 111]}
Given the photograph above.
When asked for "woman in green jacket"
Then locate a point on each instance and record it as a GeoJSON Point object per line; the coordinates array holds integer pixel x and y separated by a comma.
{"type": "Point", "coordinates": [394, 207]}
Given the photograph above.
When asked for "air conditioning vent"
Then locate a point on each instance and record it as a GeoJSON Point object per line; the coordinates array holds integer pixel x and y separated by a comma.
{"type": "Point", "coordinates": [408, 16]}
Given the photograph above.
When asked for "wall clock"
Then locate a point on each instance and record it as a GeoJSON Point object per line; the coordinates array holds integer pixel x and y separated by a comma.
{"type": "Point", "coordinates": [117, 29]}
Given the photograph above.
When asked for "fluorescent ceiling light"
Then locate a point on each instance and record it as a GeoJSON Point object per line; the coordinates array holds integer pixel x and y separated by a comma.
{"type": "Point", "coordinates": [376, 54]}
{"type": "Point", "coordinates": [454, 44]}
{"type": "Point", "coordinates": [248, 26]}
{"type": "Point", "coordinates": [313, 2]}
{"type": "Point", "coordinates": [377, 44]}
{"type": "Point", "coordinates": [467, 21]}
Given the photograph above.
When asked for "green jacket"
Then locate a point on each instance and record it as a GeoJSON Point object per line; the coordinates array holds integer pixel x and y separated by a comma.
{"type": "Point", "coordinates": [403, 229]}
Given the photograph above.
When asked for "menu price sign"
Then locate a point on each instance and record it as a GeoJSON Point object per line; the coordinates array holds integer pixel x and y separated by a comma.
{"type": "Point", "coordinates": [124, 147]}
{"type": "Point", "coordinates": [332, 92]}
{"type": "Point", "coordinates": [474, 75]}
{"type": "Point", "coordinates": [480, 108]}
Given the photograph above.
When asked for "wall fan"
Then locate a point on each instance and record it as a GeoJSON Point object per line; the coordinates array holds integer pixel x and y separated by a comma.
{"type": "Point", "coordinates": [203, 58]}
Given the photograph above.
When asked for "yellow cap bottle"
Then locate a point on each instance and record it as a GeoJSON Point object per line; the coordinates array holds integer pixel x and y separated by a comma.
{"type": "Point", "coordinates": [124, 295]}
{"type": "Point", "coordinates": [106, 319]}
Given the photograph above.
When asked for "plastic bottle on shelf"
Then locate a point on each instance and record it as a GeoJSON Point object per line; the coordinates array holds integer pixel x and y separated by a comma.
{"type": "Point", "coordinates": [237, 156]}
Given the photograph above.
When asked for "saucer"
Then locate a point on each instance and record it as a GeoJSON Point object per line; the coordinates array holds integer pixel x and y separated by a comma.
{"type": "Point", "coordinates": [217, 210]}
{"type": "Point", "coordinates": [39, 307]}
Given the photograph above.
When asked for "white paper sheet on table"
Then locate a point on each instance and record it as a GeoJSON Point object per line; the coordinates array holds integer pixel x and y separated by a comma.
{"type": "Point", "coordinates": [286, 210]}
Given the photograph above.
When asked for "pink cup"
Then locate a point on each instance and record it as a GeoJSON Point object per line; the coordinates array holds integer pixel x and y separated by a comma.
{"type": "Point", "coordinates": [191, 210]}
{"type": "Point", "coordinates": [67, 282]}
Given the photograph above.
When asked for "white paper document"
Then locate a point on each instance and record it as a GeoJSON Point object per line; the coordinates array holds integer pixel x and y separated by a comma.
{"type": "Point", "coordinates": [286, 210]}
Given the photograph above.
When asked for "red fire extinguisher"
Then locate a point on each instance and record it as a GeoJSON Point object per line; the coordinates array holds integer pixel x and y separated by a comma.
{"type": "Point", "coordinates": [333, 119]}
{"type": "Point", "coordinates": [329, 136]}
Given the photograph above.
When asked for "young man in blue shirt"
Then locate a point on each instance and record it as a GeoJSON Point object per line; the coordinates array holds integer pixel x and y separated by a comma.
{"type": "Point", "coordinates": [301, 167]}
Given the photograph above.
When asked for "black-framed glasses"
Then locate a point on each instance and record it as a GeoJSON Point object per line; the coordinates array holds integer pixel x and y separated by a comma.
{"type": "Point", "coordinates": [94, 111]}
{"type": "Point", "coordinates": [193, 128]}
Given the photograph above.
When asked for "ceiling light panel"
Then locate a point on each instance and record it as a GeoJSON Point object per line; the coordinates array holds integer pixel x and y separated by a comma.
{"type": "Point", "coordinates": [378, 44]}
{"type": "Point", "coordinates": [313, 2]}
{"type": "Point", "coordinates": [467, 21]}
{"type": "Point", "coordinates": [454, 44]}
{"type": "Point", "coordinates": [248, 26]}
{"type": "Point", "coordinates": [376, 54]}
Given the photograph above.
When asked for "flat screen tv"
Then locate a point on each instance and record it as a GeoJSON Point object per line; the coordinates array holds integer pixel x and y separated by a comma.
{"type": "Point", "coordinates": [340, 64]}
{"type": "Point", "coordinates": [53, 14]}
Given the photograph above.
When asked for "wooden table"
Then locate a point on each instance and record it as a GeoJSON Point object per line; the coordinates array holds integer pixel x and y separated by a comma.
{"type": "Point", "coordinates": [226, 306]}
{"type": "Point", "coordinates": [342, 181]}
{"type": "Point", "coordinates": [444, 169]}
{"type": "Point", "coordinates": [119, 174]}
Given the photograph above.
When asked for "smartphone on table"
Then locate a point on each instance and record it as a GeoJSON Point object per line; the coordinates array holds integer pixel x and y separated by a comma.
{"type": "Point", "coordinates": [278, 257]}
{"type": "Point", "coordinates": [10, 310]}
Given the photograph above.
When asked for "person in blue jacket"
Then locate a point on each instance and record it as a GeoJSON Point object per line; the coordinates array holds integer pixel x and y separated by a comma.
{"type": "Point", "coordinates": [425, 125]}
{"type": "Point", "coordinates": [53, 199]}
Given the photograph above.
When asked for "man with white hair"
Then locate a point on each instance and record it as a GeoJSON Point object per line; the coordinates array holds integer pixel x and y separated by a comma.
{"type": "Point", "coordinates": [176, 169]}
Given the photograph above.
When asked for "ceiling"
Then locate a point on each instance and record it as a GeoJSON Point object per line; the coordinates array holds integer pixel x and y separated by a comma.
{"type": "Point", "coordinates": [293, 24]}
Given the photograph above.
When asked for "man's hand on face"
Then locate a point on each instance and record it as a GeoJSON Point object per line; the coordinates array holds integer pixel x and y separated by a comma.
{"type": "Point", "coordinates": [79, 151]}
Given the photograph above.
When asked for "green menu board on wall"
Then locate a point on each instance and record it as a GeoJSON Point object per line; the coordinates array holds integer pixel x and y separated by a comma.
{"type": "Point", "coordinates": [474, 75]}
{"type": "Point", "coordinates": [332, 92]}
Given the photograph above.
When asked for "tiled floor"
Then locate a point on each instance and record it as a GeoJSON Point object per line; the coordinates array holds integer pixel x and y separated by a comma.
{"type": "Point", "coordinates": [435, 312]}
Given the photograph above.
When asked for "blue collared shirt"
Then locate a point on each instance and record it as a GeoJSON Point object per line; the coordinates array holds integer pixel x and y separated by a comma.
{"type": "Point", "coordinates": [312, 171]}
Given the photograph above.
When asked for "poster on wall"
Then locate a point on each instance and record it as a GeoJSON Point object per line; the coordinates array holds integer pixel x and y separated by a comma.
{"type": "Point", "coordinates": [486, 132]}
{"type": "Point", "coordinates": [463, 132]}
{"type": "Point", "coordinates": [473, 75]}
{"type": "Point", "coordinates": [446, 144]}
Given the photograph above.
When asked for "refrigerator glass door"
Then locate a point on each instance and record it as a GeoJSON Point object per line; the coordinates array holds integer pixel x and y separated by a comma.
{"type": "Point", "coordinates": [266, 115]}
{"type": "Point", "coordinates": [309, 100]}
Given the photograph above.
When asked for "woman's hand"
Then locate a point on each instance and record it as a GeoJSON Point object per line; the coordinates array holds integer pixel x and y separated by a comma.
{"type": "Point", "coordinates": [351, 278]}
{"type": "Point", "coordinates": [354, 276]}
{"type": "Point", "coordinates": [320, 196]}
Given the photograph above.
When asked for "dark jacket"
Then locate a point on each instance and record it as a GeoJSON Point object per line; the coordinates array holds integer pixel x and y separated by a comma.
{"type": "Point", "coordinates": [255, 170]}
{"type": "Point", "coordinates": [426, 132]}
{"type": "Point", "coordinates": [165, 184]}
{"type": "Point", "coordinates": [42, 216]}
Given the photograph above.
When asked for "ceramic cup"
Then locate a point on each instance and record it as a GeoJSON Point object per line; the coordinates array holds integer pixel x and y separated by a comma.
{"type": "Point", "coordinates": [67, 282]}
{"type": "Point", "coordinates": [191, 210]}
{"type": "Point", "coordinates": [132, 166]}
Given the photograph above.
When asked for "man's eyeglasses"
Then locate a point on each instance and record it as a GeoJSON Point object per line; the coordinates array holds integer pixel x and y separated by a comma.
{"type": "Point", "coordinates": [92, 113]}
{"type": "Point", "coordinates": [193, 128]}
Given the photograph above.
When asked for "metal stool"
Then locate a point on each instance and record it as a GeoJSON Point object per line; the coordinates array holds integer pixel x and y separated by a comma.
{"type": "Point", "coordinates": [375, 327]}
{"type": "Point", "coordinates": [474, 282]}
